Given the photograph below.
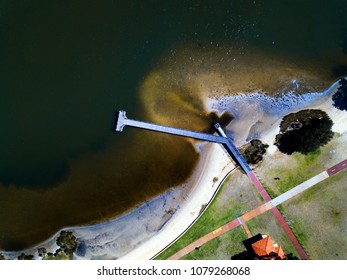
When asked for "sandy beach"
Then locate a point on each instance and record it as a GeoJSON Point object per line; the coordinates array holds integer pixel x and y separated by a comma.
{"type": "Point", "coordinates": [206, 180]}
{"type": "Point", "coordinates": [146, 230]}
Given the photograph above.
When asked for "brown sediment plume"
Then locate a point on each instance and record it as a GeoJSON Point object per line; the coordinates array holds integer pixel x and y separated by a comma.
{"type": "Point", "coordinates": [100, 186]}
{"type": "Point", "coordinates": [174, 93]}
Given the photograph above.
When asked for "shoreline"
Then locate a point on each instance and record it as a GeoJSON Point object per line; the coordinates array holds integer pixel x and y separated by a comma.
{"type": "Point", "coordinates": [146, 230]}
{"type": "Point", "coordinates": [199, 198]}
{"type": "Point", "coordinates": [128, 234]}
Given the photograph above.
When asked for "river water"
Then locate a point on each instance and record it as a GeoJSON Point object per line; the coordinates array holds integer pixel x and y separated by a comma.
{"type": "Point", "coordinates": [66, 67]}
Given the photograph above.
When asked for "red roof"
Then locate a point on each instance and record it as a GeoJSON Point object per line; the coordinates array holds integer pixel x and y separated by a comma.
{"type": "Point", "coordinates": [265, 246]}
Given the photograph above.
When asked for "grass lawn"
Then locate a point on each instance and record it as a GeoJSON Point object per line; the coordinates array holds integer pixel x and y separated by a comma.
{"type": "Point", "coordinates": [319, 218]}
{"type": "Point", "coordinates": [303, 169]}
{"type": "Point", "coordinates": [221, 248]}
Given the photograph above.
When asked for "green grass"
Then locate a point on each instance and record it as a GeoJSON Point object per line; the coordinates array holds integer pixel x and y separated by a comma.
{"type": "Point", "coordinates": [318, 218]}
{"type": "Point", "coordinates": [305, 169]}
{"type": "Point", "coordinates": [220, 248]}
{"type": "Point", "coordinates": [311, 157]}
{"type": "Point", "coordinates": [270, 191]}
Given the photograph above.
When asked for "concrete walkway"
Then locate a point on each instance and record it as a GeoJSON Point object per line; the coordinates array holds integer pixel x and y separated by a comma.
{"type": "Point", "coordinates": [270, 205]}
{"type": "Point", "coordinates": [278, 216]}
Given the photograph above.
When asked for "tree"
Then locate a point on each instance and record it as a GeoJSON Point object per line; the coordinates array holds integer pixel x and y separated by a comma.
{"type": "Point", "coordinates": [42, 251]}
{"type": "Point", "coordinates": [25, 257]}
{"type": "Point", "coordinates": [254, 151]}
{"type": "Point", "coordinates": [340, 96]}
{"type": "Point", "coordinates": [67, 242]}
{"type": "Point", "coordinates": [304, 132]}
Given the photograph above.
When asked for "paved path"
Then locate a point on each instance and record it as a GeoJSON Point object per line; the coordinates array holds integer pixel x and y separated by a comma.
{"type": "Point", "coordinates": [212, 235]}
{"type": "Point", "coordinates": [337, 168]}
{"type": "Point", "coordinates": [278, 216]}
{"type": "Point", "coordinates": [299, 188]}
{"type": "Point", "coordinates": [259, 187]}
{"type": "Point", "coordinates": [269, 205]}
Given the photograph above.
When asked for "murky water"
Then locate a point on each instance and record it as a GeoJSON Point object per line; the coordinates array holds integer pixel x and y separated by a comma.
{"type": "Point", "coordinates": [67, 66]}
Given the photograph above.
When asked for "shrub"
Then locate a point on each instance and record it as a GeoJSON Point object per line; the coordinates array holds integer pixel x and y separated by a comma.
{"type": "Point", "coordinates": [340, 97]}
{"type": "Point", "coordinates": [67, 242]}
{"type": "Point", "coordinates": [254, 151]}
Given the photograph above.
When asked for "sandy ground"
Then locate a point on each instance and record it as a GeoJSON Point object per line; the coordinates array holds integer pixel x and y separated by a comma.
{"type": "Point", "coordinates": [146, 230]}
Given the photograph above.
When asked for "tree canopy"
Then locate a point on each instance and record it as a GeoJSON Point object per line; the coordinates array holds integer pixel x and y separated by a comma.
{"type": "Point", "coordinates": [67, 242]}
{"type": "Point", "coordinates": [254, 151]}
{"type": "Point", "coordinates": [304, 132]}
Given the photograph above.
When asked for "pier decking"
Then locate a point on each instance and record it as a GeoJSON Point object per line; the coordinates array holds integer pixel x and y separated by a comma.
{"type": "Point", "coordinates": [124, 121]}
{"type": "Point", "coordinates": [227, 142]}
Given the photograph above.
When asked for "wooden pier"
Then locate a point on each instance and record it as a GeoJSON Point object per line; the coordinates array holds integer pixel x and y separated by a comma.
{"type": "Point", "coordinates": [227, 142]}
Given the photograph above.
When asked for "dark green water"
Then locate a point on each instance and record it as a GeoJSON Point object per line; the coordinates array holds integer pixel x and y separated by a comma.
{"type": "Point", "coordinates": [67, 66]}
